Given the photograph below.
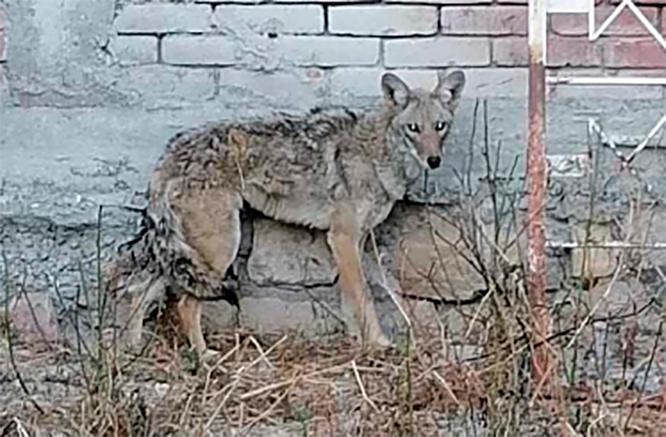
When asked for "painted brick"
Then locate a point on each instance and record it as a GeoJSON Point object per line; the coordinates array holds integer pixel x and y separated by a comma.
{"type": "Point", "coordinates": [625, 24]}
{"type": "Point", "coordinates": [495, 82]}
{"type": "Point", "coordinates": [493, 20]}
{"type": "Point", "coordinates": [573, 52]}
{"type": "Point", "coordinates": [164, 18]}
{"type": "Point", "coordinates": [480, 82]}
{"type": "Point", "coordinates": [644, 2]}
{"type": "Point", "coordinates": [382, 20]}
{"type": "Point", "coordinates": [134, 50]}
{"type": "Point", "coordinates": [271, 18]}
{"type": "Point", "coordinates": [443, 2]}
{"type": "Point", "coordinates": [298, 50]}
{"type": "Point", "coordinates": [254, 2]}
{"type": "Point", "coordinates": [293, 88]}
{"type": "Point", "coordinates": [329, 51]}
{"type": "Point", "coordinates": [634, 53]}
{"type": "Point", "coordinates": [355, 83]}
{"type": "Point", "coordinates": [436, 2]}
{"type": "Point", "coordinates": [608, 92]}
{"type": "Point", "coordinates": [198, 50]}
{"type": "Point", "coordinates": [3, 50]}
{"type": "Point", "coordinates": [437, 52]}
{"type": "Point", "coordinates": [524, 2]}
{"type": "Point", "coordinates": [510, 52]}
{"type": "Point", "coordinates": [159, 85]}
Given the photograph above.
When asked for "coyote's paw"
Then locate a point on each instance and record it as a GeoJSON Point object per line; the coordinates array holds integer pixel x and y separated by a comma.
{"type": "Point", "coordinates": [377, 342]}
{"type": "Point", "coordinates": [380, 342]}
{"type": "Point", "coordinates": [209, 356]}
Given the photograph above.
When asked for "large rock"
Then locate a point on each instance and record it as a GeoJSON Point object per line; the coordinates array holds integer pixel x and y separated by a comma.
{"type": "Point", "coordinates": [219, 316]}
{"type": "Point", "coordinates": [593, 262]}
{"type": "Point", "coordinates": [289, 255]}
{"type": "Point", "coordinates": [434, 266]}
{"type": "Point", "coordinates": [272, 314]}
{"type": "Point", "coordinates": [34, 319]}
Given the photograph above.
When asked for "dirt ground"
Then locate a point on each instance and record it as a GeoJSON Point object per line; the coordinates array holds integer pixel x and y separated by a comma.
{"type": "Point", "coordinates": [287, 385]}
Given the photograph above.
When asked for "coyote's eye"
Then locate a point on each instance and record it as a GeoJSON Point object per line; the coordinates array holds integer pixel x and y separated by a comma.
{"type": "Point", "coordinates": [440, 126]}
{"type": "Point", "coordinates": [413, 127]}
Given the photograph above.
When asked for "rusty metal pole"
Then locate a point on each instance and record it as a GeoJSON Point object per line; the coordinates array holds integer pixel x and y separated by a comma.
{"type": "Point", "coordinates": [536, 183]}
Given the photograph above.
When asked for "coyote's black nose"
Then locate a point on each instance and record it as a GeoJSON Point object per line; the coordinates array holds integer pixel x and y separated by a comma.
{"type": "Point", "coordinates": [434, 161]}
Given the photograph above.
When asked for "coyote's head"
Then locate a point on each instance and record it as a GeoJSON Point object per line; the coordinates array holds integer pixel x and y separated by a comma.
{"type": "Point", "coordinates": [423, 118]}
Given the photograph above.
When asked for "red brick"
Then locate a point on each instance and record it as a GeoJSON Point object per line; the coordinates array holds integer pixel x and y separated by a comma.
{"type": "Point", "coordinates": [510, 52]}
{"type": "Point", "coordinates": [625, 24]}
{"type": "Point", "coordinates": [562, 52]}
{"type": "Point", "coordinates": [634, 53]}
{"type": "Point", "coordinates": [490, 20]}
{"type": "Point", "coordinates": [3, 54]}
{"type": "Point", "coordinates": [573, 52]}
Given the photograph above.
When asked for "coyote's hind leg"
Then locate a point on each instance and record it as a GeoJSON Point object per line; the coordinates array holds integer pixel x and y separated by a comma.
{"type": "Point", "coordinates": [343, 238]}
{"type": "Point", "coordinates": [211, 227]}
{"type": "Point", "coordinates": [189, 311]}
{"type": "Point", "coordinates": [143, 295]}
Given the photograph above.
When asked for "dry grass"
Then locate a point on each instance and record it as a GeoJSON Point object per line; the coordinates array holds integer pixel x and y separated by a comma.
{"type": "Point", "coordinates": [314, 387]}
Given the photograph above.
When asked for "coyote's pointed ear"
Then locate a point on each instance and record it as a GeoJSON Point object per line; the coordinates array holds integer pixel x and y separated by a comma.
{"type": "Point", "coordinates": [395, 90]}
{"type": "Point", "coordinates": [450, 86]}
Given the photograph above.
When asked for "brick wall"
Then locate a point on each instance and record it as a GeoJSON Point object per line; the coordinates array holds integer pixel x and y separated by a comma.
{"type": "Point", "coordinates": [342, 47]}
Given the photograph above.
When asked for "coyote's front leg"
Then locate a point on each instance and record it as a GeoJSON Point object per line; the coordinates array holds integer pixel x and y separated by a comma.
{"type": "Point", "coordinates": [344, 238]}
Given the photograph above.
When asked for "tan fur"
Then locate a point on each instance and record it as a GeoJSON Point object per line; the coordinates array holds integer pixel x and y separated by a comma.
{"type": "Point", "coordinates": [330, 169]}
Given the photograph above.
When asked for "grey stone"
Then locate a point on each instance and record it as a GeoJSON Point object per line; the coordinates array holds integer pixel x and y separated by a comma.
{"type": "Point", "coordinates": [283, 254]}
{"type": "Point", "coordinates": [266, 314]}
{"type": "Point", "coordinates": [219, 316]}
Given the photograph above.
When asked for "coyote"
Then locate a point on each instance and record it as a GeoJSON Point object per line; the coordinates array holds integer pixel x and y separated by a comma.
{"type": "Point", "coordinates": [331, 169]}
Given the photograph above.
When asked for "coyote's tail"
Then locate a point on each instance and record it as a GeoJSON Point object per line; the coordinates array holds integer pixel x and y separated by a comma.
{"type": "Point", "coordinates": [160, 250]}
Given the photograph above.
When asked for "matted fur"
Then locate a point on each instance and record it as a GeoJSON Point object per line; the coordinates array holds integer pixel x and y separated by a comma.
{"type": "Point", "coordinates": [330, 169]}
